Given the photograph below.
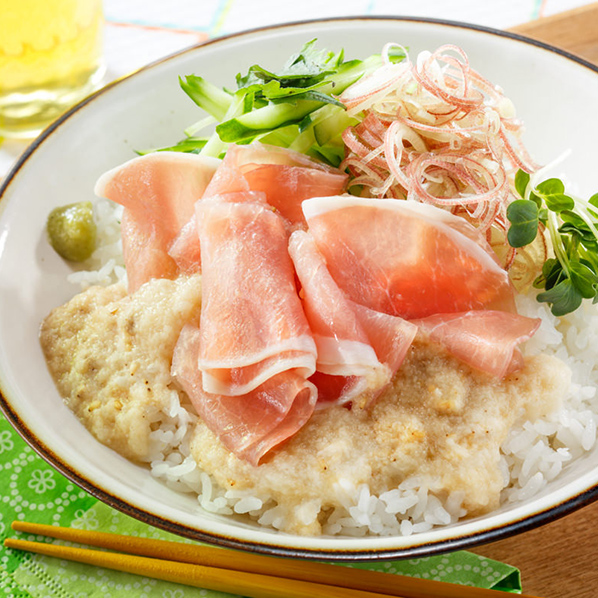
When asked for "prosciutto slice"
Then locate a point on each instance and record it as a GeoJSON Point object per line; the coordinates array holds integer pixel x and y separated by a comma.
{"type": "Point", "coordinates": [486, 340]}
{"type": "Point", "coordinates": [185, 249]}
{"type": "Point", "coordinates": [405, 258]}
{"type": "Point", "coordinates": [158, 192]}
{"type": "Point", "coordinates": [283, 176]}
{"type": "Point", "coordinates": [252, 323]}
{"type": "Point", "coordinates": [248, 425]}
{"type": "Point", "coordinates": [246, 367]}
{"type": "Point", "coordinates": [359, 350]}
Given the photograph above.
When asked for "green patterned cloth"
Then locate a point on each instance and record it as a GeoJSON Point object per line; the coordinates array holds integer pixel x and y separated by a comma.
{"type": "Point", "coordinates": [30, 490]}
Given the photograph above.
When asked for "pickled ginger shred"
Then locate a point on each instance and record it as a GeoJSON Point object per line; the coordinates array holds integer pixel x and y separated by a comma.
{"type": "Point", "coordinates": [437, 132]}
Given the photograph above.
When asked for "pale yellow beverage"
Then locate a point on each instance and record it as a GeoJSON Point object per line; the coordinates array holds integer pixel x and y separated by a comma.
{"type": "Point", "coordinates": [50, 58]}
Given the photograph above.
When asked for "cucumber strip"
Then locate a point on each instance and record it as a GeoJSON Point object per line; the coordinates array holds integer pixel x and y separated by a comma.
{"type": "Point", "coordinates": [348, 73]}
{"type": "Point", "coordinates": [246, 127]}
{"type": "Point", "coordinates": [297, 107]}
{"type": "Point", "coordinates": [199, 125]}
{"type": "Point", "coordinates": [330, 154]}
{"type": "Point", "coordinates": [215, 145]}
{"type": "Point", "coordinates": [187, 145]}
{"type": "Point", "coordinates": [207, 96]}
{"type": "Point", "coordinates": [332, 126]}
{"type": "Point", "coordinates": [262, 120]}
{"type": "Point", "coordinates": [303, 141]}
{"type": "Point", "coordinates": [283, 136]}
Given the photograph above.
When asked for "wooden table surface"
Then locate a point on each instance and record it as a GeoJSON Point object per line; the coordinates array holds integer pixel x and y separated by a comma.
{"type": "Point", "coordinates": [559, 560]}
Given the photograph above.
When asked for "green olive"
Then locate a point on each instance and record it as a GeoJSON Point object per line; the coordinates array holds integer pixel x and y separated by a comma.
{"type": "Point", "coordinates": [72, 231]}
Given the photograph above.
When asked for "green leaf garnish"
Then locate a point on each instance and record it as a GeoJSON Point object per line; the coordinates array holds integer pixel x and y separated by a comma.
{"type": "Point", "coordinates": [523, 216]}
{"type": "Point", "coordinates": [282, 107]}
{"type": "Point", "coordinates": [572, 275]}
{"type": "Point", "coordinates": [521, 182]}
{"type": "Point", "coordinates": [564, 298]}
{"type": "Point", "coordinates": [552, 191]}
{"type": "Point", "coordinates": [583, 279]}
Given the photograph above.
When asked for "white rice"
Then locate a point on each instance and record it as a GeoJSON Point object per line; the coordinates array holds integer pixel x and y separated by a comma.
{"type": "Point", "coordinates": [534, 453]}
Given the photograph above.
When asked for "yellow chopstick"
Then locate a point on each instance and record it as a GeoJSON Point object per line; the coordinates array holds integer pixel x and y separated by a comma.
{"type": "Point", "coordinates": [316, 573]}
{"type": "Point", "coordinates": [252, 585]}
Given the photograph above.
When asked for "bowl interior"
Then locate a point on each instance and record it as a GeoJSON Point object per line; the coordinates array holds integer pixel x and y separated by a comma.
{"type": "Point", "coordinates": [555, 96]}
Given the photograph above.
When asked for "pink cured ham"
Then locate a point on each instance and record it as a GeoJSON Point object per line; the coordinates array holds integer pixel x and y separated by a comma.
{"type": "Point", "coordinates": [486, 340]}
{"type": "Point", "coordinates": [248, 425]}
{"type": "Point", "coordinates": [405, 258]}
{"type": "Point", "coordinates": [158, 192]}
{"type": "Point", "coordinates": [246, 367]}
{"type": "Point", "coordinates": [358, 350]}
{"type": "Point", "coordinates": [252, 323]}
{"type": "Point", "coordinates": [185, 250]}
{"type": "Point", "coordinates": [284, 176]}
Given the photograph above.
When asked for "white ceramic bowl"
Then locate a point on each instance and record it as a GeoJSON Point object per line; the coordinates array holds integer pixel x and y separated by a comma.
{"type": "Point", "coordinates": [554, 93]}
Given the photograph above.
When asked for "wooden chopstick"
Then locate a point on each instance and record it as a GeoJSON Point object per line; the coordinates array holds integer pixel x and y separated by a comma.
{"type": "Point", "coordinates": [252, 585]}
{"type": "Point", "coordinates": [217, 568]}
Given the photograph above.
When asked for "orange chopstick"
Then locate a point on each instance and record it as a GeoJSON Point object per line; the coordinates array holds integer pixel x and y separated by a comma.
{"type": "Point", "coordinates": [212, 568]}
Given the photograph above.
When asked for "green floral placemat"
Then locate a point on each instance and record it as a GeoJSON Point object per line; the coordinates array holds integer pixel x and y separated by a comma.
{"type": "Point", "coordinates": [30, 490]}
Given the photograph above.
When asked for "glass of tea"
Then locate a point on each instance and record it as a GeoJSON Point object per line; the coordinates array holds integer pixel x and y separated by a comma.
{"type": "Point", "coordinates": [50, 58]}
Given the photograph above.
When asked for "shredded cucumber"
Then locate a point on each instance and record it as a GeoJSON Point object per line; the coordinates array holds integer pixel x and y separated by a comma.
{"type": "Point", "coordinates": [297, 107]}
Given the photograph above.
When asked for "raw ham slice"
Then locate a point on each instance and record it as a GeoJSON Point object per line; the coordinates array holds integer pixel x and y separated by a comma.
{"type": "Point", "coordinates": [405, 258]}
{"type": "Point", "coordinates": [486, 340]}
{"type": "Point", "coordinates": [390, 336]}
{"type": "Point", "coordinates": [185, 250]}
{"type": "Point", "coordinates": [143, 258]}
{"type": "Point", "coordinates": [252, 323]}
{"type": "Point", "coordinates": [284, 176]}
{"type": "Point", "coordinates": [252, 424]}
{"type": "Point", "coordinates": [246, 368]}
{"type": "Point", "coordinates": [343, 346]}
{"type": "Point", "coordinates": [358, 350]}
{"type": "Point", "coordinates": [158, 192]}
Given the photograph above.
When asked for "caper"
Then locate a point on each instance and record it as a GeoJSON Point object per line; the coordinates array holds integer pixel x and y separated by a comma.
{"type": "Point", "coordinates": [72, 231]}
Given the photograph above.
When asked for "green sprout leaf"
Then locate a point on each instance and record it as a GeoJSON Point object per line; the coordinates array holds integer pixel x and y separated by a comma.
{"type": "Point", "coordinates": [552, 191]}
{"type": "Point", "coordinates": [552, 271]}
{"type": "Point", "coordinates": [564, 298]}
{"type": "Point", "coordinates": [584, 279]}
{"type": "Point", "coordinates": [523, 216]}
{"type": "Point", "coordinates": [521, 182]}
{"type": "Point", "coordinates": [572, 275]}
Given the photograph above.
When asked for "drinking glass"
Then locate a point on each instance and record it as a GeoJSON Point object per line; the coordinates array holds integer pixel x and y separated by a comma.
{"type": "Point", "coordinates": [50, 58]}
